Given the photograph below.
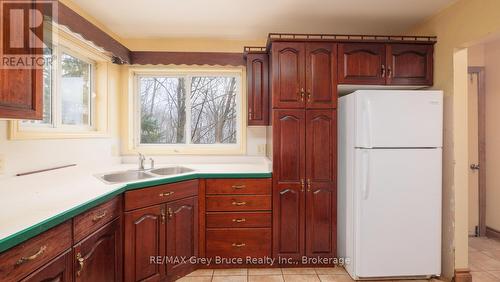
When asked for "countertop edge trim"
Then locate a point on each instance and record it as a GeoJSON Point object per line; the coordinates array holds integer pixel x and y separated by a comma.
{"type": "Point", "coordinates": [36, 229]}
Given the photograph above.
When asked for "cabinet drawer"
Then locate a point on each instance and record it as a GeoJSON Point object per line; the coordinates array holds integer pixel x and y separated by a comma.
{"type": "Point", "coordinates": [238, 242]}
{"type": "Point", "coordinates": [238, 203]}
{"type": "Point", "coordinates": [141, 198]}
{"type": "Point", "coordinates": [238, 219]}
{"type": "Point", "coordinates": [23, 259]}
{"type": "Point", "coordinates": [261, 186]}
{"type": "Point", "coordinates": [88, 222]}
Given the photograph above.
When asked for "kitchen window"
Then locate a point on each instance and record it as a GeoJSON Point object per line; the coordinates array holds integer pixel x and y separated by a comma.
{"type": "Point", "coordinates": [68, 88]}
{"type": "Point", "coordinates": [187, 110]}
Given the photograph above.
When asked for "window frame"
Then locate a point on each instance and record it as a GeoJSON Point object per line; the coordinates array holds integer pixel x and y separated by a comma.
{"type": "Point", "coordinates": [186, 148]}
{"type": "Point", "coordinates": [75, 46]}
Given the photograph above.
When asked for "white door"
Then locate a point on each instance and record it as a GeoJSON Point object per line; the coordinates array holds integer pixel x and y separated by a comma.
{"type": "Point", "coordinates": [398, 212]}
{"type": "Point", "coordinates": [411, 119]}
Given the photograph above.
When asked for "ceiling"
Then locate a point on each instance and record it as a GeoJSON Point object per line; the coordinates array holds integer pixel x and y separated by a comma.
{"type": "Point", "coordinates": [249, 20]}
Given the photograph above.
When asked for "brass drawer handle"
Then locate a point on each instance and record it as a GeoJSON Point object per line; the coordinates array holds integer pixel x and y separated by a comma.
{"type": "Point", "coordinates": [236, 245]}
{"type": "Point", "coordinates": [239, 203]}
{"type": "Point", "coordinates": [166, 194]}
{"type": "Point", "coordinates": [238, 186]}
{"type": "Point", "coordinates": [99, 217]}
{"type": "Point", "coordinates": [32, 257]}
{"type": "Point", "coordinates": [81, 261]}
{"type": "Point", "coordinates": [239, 220]}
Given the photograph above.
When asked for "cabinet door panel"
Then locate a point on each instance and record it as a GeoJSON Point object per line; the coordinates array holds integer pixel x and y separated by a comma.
{"type": "Point", "coordinates": [321, 75]}
{"type": "Point", "coordinates": [321, 159]}
{"type": "Point", "coordinates": [361, 63]}
{"type": "Point", "coordinates": [288, 75]}
{"type": "Point", "coordinates": [289, 145]}
{"type": "Point", "coordinates": [181, 239]}
{"type": "Point", "coordinates": [410, 64]}
{"type": "Point", "coordinates": [99, 256]}
{"type": "Point", "coordinates": [258, 89]}
{"type": "Point", "coordinates": [288, 183]}
{"type": "Point", "coordinates": [144, 237]}
{"type": "Point", "coordinates": [58, 270]}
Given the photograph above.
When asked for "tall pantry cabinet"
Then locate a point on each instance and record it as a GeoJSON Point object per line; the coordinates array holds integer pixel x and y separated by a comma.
{"type": "Point", "coordinates": [304, 99]}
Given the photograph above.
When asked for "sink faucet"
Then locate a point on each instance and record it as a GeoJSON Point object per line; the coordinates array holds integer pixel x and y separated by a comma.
{"type": "Point", "coordinates": [141, 161]}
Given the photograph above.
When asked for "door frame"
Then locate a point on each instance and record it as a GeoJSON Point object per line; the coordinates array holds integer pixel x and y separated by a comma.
{"type": "Point", "coordinates": [481, 110]}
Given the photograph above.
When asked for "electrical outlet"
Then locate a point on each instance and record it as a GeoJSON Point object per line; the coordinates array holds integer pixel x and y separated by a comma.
{"type": "Point", "coordinates": [261, 149]}
{"type": "Point", "coordinates": [2, 163]}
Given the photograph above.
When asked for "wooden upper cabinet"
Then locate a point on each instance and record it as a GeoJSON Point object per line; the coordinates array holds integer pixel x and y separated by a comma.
{"type": "Point", "coordinates": [321, 168]}
{"type": "Point", "coordinates": [21, 89]}
{"type": "Point", "coordinates": [288, 75]}
{"type": "Point", "coordinates": [410, 64]}
{"type": "Point", "coordinates": [258, 88]}
{"type": "Point", "coordinates": [182, 236]}
{"type": "Point", "coordinates": [21, 94]}
{"type": "Point", "coordinates": [321, 75]}
{"type": "Point", "coordinates": [144, 237]}
{"type": "Point", "coordinates": [361, 63]}
{"type": "Point", "coordinates": [99, 256]}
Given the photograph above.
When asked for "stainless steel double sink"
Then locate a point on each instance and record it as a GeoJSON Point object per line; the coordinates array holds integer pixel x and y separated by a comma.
{"type": "Point", "coordinates": [134, 175]}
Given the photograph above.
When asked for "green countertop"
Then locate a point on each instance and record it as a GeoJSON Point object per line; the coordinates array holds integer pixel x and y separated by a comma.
{"type": "Point", "coordinates": [32, 231]}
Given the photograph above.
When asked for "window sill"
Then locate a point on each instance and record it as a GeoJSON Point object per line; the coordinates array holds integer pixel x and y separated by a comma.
{"type": "Point", "coordinates": [15, 133]}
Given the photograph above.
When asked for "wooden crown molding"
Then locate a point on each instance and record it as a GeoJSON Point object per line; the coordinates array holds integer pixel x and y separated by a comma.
{"type": "Point", "coordinates": [89, 31]}
{"type": "Point", "coordinates": [187, 58]}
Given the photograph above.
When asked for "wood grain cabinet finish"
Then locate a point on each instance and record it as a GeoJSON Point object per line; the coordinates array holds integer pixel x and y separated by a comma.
{"type": "Point", "coordinates": [25, 258]}
{"type": "Point", "coordinates": [141, 198]}
{"type": "Point", "coordinates": [289, 176]}
{"type": "Point", "coordinates": [288, 75]}
{"type": "Point", "coordinates": [239, 242]}
{"type": "Point", "coordinates": [321, 75]}
{"type": "Point", "coordinates": [58, 270]}
{"type": "Point", "coordinates": [304, 75]}
{"type": "Point", "coordinates": [99, 256]}
{"type": "Point", "coordinates": [304, 197]}
{"type": "Point", "coordinates": [181, 236]}
{"type": "Point", "coordinates": [410, 64]}
{"type": "Point", "coordinates": [86, 223]}
{"type": "Point", "coordinates": [144, 235]}
{"type": "Point", "coordinates": [385, 64]}
{"type": "Point", "coordinates": [21, 90]}
{"type": "Point", "coordinates": [321, 168]}
{"type": "Point", "coordinates": [238, 203]}
{"type": "Point", "coordinates": [239, 186]}
{"type": "Point", "coordinates": [361, 63]}
{"type": "Point", "coordinates": [258, 88]}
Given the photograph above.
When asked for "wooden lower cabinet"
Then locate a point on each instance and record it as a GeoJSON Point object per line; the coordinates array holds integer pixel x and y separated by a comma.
{"type": "Point", "coordinates": [181, 239]}
{"type": "Point", "coordinates": [99, 256]}
{"type": "Point", "coordinates": [157, 238]}
{"type": "Point", "coordinates": [58, 270]}
{"type": "Point", "coordinates": [304, 192]}
{"type": "Point", "coordinates": [144, 237]}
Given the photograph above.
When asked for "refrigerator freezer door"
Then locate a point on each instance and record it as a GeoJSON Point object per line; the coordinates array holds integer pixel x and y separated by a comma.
{"type": "Point", "coordinates": [411, 119]}
{"type": "Point", "coordinates": [398, 212]}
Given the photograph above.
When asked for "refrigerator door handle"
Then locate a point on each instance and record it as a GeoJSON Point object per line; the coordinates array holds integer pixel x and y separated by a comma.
{"type": "Point", "coordinates": [368, 122]}
{"type": "Point", "coordinates": [366, 174]}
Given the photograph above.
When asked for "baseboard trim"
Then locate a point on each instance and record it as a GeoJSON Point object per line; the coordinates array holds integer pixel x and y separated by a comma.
{"type": "Point", "coordinates": [462, 275]}
{"type": "Point", "coordinates": [492, 233]}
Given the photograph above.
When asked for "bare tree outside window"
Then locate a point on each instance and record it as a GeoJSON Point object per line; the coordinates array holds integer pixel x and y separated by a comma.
{"type": "Point", "coordinates": [163, 110]}
{"type": "Point", "coordinates": [213, 110]}
{"type": "Point", "coordinates": [167, 109]}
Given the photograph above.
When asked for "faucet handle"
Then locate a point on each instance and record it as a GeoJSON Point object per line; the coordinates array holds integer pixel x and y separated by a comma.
{"type": "Point", "coordinates": [152, 163]}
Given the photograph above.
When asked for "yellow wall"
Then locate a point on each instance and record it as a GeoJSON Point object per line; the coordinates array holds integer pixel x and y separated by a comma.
{"type": "Point", "coordinates": [492, 63]}
{"type": "Point", "coordinates": [456, 27]}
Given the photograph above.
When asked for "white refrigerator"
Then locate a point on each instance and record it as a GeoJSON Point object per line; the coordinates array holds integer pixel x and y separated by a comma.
{"type": "Point", "coordinates": [389, 183]}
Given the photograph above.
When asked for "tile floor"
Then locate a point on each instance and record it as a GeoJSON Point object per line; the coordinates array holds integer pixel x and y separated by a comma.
{"type": "Point", "coordinates": [336, 274]}
{"type": "Point", "coordinates": [484, 259]}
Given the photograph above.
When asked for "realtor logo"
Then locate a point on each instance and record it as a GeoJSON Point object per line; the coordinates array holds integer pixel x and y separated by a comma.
{"type": "Point", "coordinates": [26, 33]}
